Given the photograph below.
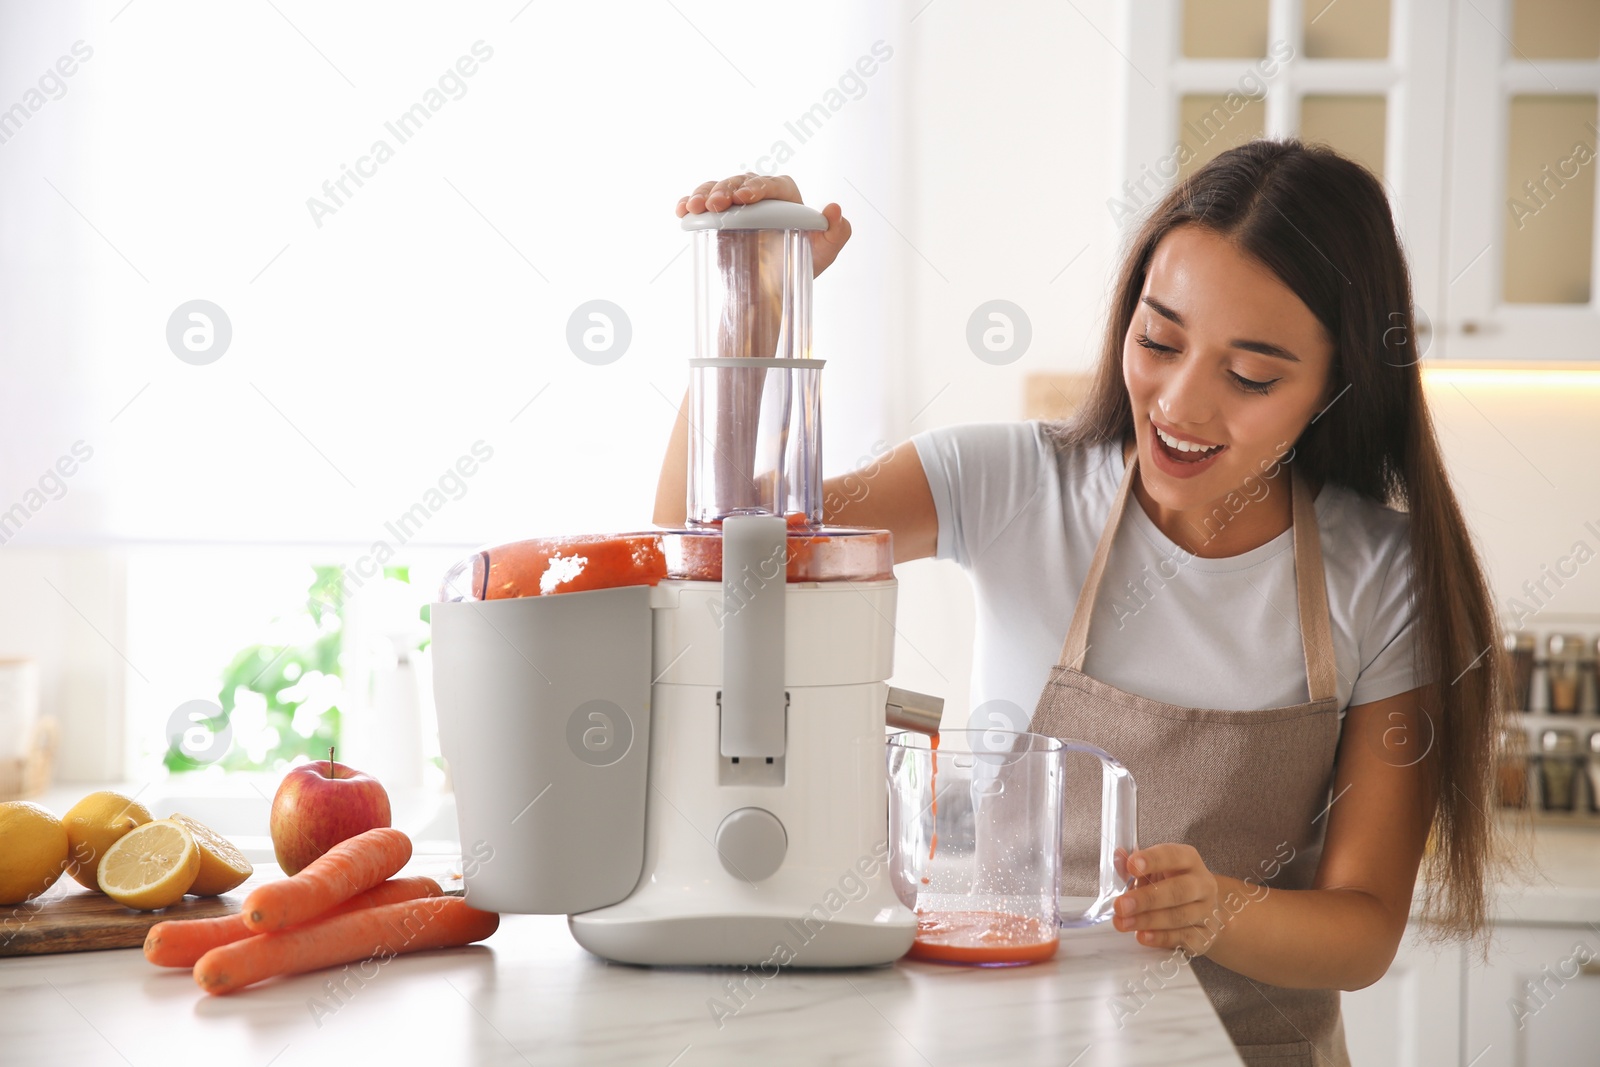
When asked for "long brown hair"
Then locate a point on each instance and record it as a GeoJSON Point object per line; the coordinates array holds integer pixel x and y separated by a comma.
{"type": "Point", "coordinates": [1321, 223]}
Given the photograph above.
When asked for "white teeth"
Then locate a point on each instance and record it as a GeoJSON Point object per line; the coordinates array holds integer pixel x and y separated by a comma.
{"type": "Point", "coordinates": [1183, 446]}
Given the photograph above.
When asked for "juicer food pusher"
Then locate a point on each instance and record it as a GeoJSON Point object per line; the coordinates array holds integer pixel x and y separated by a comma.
{"type": "Point", "coordinates": [687, 756]}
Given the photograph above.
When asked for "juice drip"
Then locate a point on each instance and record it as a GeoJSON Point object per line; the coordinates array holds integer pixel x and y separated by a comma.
{"type": "Point", "coordinates": [933, 785]}
{"type": "Point", "coordinates": [986, 938]}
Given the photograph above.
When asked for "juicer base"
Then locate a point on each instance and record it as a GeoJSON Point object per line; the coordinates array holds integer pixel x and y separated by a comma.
{"type": "Point", "coordinates": [763, 942]}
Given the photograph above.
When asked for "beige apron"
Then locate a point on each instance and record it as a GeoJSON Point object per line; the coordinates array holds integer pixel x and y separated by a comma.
{"type": "Point", "coordinates": [1242, 787]}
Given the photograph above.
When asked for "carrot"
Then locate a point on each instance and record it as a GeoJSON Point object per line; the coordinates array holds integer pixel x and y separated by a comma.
{"type": "Point", "coordinates": [382, 932]}
{"type": "Point", "coordinates": [181, 942]}
{"type": "Point", "coordinates": [350, 867]}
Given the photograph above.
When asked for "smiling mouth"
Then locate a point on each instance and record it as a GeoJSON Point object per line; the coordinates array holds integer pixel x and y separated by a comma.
{"type": "Point", "coordinates": [1179, 451]}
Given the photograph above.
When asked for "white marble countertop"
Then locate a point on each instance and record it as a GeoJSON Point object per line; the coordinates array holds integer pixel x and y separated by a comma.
{"type": "Point", "coordinates": [531, 995]}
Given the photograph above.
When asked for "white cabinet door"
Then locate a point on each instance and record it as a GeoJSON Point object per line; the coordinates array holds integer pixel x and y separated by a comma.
{"type": "Point", "coordinates": [1411, 1017]}
{"type": "Point", "coordinates": [1539, 1000]}
{"type": "Point", "coordinates": [1522, 156]}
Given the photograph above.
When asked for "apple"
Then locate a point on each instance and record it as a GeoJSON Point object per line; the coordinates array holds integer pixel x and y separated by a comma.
{"type": "Point", "coordinates": [319, 805]}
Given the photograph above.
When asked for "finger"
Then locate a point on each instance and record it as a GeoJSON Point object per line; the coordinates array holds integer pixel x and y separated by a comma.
{"type": "Point", "coordinates": [695, 201]}
{"type": "Point", "coordinates": [780, 187]}
{"type": "Point", "coordinates": [750, 190]}
{"type": "Point", "coordinates": [750, 187]}
{"type": "Point", "coordinates": [1192, 942]}
{"type": "Point", "coordinates": [1166, 858]}
{"type": "Point", "coordinates": [738, 189]}
{"type": "Point", "coordinates": [721, 196]}
{"type": "Point", "coordinates": [712, 196]}
{"type": "Point", "coordinates": [825, 245]}
{"type": "Point", "coordinates": [1193, 913]}
{"type": "Point", "coordinates": [838, 231]}
{"type": "Point", "coordinates": [1166, 893]}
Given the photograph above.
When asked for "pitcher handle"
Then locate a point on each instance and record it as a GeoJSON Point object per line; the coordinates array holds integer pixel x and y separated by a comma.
{"type": "Point", "coordinates": [1118, 834]}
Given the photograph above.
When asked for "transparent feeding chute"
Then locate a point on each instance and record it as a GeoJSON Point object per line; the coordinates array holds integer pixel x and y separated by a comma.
{"type": "Point", "coordinates": [755, 441]}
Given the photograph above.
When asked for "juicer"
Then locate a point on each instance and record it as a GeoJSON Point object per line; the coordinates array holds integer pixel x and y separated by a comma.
{"type": "Point", "coordinates": [676, 738]}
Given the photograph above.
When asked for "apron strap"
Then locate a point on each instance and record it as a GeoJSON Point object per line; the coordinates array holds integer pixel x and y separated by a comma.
{"type": "Point", "coordinates": [1077, 643]}
{"type": "Point", "coordinates": [1311, 591]}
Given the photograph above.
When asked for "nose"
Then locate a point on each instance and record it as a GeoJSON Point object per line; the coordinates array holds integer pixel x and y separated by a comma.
{"type": "Point", "coordinates": [1185, 399]}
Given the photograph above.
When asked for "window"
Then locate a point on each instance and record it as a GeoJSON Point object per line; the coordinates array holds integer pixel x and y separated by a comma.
{"type": "Point", "coordinates": [242, 338]}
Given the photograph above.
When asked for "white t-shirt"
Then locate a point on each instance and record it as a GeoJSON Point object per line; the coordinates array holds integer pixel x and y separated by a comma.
{"type": "Point", "coordinates": [1022, 516]}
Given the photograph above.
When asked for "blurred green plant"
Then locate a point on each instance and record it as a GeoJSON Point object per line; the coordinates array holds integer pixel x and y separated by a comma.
{"type": "Point", "coordinates": [280, 680]}
{"type": "Point", "coordinates": [291, 689]}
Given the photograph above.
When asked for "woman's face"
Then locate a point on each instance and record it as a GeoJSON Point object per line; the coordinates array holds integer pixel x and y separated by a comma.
{"type": "Point", "coordinates": [1224, 367]}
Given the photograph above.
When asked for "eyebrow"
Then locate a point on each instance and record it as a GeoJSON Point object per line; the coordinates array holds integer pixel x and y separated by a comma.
{"type": "Point", "coordinates": [1262, 347]}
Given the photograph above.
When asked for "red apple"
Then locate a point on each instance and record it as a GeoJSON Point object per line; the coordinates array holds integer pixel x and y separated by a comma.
{"type": "Point", "coordinates": [319, 805]}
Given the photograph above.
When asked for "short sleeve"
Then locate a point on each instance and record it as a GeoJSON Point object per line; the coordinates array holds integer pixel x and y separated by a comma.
{"type": "Point", "coordinates": [981, 476]}
{"type": "Point", "coordinates": [1389, 645]}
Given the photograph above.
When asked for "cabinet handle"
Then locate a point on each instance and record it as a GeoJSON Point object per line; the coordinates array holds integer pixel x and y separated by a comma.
{"type": "Point", "coordinates": [1590, 969]}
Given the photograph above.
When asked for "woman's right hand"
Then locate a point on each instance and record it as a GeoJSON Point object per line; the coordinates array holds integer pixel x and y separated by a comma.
{"type": "Point", "coordinates": [749, 187]}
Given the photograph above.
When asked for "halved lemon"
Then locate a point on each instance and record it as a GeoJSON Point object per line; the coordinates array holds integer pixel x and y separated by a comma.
{"type": "Point", "coordinates": [151, 866]}
{"type": "Point", "coordinates": [222, 865]}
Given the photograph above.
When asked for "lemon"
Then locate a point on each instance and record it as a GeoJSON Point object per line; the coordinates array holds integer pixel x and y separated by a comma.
{"type": "Point", "coordinates": [151, 866]}
{"type": "Point", "coordinates": [93, 825]}
{"type": "Point", "coordinates": [35, 852]}
{"type": "Point", "coordinates": [222, 865]}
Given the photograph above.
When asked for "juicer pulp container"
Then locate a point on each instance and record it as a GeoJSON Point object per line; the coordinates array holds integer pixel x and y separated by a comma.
{"type": "Point", "coordinates": [544, 717]}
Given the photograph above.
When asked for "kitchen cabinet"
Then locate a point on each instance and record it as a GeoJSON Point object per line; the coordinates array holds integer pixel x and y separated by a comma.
{"type": "Point", "coordinates": [1442, 1006]}
{"type": "Point", "coordinates": [1538, 1002]}
{"type": "Point", "coordinates": [1478, 115]}
{"type": "Point", "coordinates": [1411, 1016]}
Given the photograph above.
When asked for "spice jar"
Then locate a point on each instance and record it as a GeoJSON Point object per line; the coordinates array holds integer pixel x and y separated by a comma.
{"type": "Point", "coordinates": [1519, 654]}
{"type": "Point", "coordinates": [1594, 771]}
{"type": "Point", "coordinates": [1564, 670]}
{"type": "Point", "coordinates": [1512, 774]}
{"type": "Point", "coordinates": [1558, 769]}
{"type": "Point", "coordinates": [1593, 653]}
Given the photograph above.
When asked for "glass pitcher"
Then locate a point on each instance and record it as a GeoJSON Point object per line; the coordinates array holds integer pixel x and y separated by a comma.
{"type": "Point", "coordinates": [976, 819]}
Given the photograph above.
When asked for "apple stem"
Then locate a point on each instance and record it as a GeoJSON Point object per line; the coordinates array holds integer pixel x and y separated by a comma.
{"type": "Point", "coordinates": [331, 764]}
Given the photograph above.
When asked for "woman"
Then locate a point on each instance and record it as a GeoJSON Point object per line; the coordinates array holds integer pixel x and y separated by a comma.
{"type": "Point", "coordinates": [1241, 570]}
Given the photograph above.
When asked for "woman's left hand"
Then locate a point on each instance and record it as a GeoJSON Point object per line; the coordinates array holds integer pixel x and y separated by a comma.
{"type": "Point", "coordinates": [1172, 898]}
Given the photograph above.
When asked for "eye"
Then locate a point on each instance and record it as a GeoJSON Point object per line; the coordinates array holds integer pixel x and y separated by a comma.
{"type": "Point", "coordinates": [1250, 385]}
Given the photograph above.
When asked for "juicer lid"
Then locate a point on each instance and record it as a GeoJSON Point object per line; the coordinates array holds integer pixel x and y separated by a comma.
{"type": "Point", "coordinates": [761, 215]}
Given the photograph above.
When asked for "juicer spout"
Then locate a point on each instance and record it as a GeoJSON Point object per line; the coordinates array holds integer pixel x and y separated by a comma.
{"type": "Point", "coordinates": [913, 711]}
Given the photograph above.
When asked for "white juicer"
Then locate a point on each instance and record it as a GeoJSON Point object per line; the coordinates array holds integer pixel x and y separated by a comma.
{"type": "Point", "coordinates": [676, 738]}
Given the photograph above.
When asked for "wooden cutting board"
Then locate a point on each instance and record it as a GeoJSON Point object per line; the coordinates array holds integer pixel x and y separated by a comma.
{"type": "Point", "coordinates": [70, 918]}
